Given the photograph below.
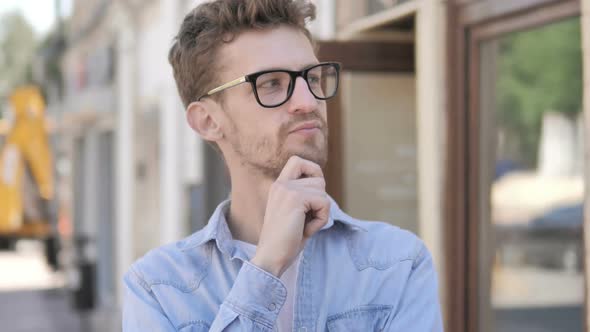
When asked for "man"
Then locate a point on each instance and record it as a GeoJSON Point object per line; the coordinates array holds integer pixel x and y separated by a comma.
{"type": "Point", "coordinates": [280, 254]}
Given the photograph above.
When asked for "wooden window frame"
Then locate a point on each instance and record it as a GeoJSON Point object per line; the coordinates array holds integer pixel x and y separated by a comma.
{"type": "Point", "coordinates": [469, 24]}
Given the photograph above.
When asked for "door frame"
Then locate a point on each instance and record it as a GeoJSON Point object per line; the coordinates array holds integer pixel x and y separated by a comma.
{"type": "Point", "coordinates": [469, 24]}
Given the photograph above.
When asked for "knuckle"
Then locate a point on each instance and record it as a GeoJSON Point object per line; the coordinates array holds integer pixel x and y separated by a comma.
{"type": "Point", "coordinates": [292, 193]}
{"type": "Point", "coordinates": [277, 186]}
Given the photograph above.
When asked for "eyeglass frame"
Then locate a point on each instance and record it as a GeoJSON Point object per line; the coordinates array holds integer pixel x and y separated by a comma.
{"type": "Point", "coordinates": [294, 74]}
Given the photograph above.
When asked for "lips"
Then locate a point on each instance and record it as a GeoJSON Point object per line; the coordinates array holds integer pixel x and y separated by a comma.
{"type": "Point", "coordinates": [306, 126]}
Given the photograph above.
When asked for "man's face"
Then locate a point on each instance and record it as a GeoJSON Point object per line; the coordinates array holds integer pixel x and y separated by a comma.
{"type": "Point", "coordinates": [265, 138]}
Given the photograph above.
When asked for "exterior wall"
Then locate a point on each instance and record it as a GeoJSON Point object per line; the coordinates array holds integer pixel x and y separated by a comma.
{"type": "Point", "coordinates": [163, 162]}
{"type": "Point", "coordinates": [347, 12]}
{"type": "Point", "coordinates": [428, 103]}
{"type": "Point", "coordinates": [150, 131]}
{"type": "Point", "coordinates": [380, 147]}
{"type": "Point", "coordinates": [147, 182]}
{"type": "Point", "coordinates": [324, 27]}
{"type": "Point", "coordinates": [88, 109]}
{"type": "Point", "coordinates": [147, 140]}
{"type": "Point", "coordinates": [172, 212]}
{"type": "Point", "coordinates": [88, 62]}
{"type": "Point", "coordinates": [168, 156]}
{"type": "Point", "coordinates": [431, 50]}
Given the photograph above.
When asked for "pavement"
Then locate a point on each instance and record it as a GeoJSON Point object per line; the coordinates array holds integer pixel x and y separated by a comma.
{"type": "Point", "coordinates": [532, 287]}
{"type": "Point", "coordinates": [547, 319]}
{"type": "Point", "coordinates": [25, 269]}
{"type": "Point", "coordinates": [50, 311]}
{"type": "Point", "coordinates": [33, 298]}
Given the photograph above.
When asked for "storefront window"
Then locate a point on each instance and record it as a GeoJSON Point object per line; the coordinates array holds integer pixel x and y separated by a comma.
{"type": "Point", "coordinates": [531, 248]}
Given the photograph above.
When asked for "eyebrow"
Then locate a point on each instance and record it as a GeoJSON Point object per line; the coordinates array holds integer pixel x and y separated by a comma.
{"type": "Point", "coordinates": [283, 68]}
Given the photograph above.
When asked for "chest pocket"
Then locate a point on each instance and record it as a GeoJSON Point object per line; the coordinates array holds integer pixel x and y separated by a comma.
{"type": "Point", "coordinates": [197, 326]}
{"type": "Point", "coordinates": [365, 318]}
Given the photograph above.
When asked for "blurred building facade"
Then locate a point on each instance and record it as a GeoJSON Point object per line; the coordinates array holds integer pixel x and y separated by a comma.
{"type": "Point", "coordinates": [133, 162]}
{"type": "Point", "coordinates": [421, 136]}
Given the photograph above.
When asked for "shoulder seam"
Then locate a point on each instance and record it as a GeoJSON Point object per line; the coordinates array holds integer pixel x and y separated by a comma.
{"type": "Point", "coordinates": [139, 278]}
{"type": "Point", "coordinates": [421, 248]}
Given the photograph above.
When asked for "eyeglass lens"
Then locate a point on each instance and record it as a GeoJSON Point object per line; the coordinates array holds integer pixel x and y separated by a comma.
{"type": "Point", "coordinates": [273, 88]}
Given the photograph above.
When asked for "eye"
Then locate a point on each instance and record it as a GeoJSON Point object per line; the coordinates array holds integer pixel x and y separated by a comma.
{"type": "Point", "coordinates": [270, 84]}
{"type": "Point", "coordinates": [313, 79]}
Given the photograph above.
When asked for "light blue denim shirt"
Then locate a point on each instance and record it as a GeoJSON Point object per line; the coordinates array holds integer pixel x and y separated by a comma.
{"type": "Point", "coordinates": [353, 276]}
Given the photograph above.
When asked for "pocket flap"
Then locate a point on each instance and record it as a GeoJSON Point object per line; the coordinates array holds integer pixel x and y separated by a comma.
{"type": "Point", "coordinates": [364, 318]}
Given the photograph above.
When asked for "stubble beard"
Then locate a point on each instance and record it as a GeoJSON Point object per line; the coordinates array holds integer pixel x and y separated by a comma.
{"type": "Point", "coordinates": [268, 157]}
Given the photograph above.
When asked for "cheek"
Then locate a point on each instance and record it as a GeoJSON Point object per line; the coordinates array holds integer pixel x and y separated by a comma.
{"type": "Point", "coordinates": [254, 123]}
{"type": "Point", "coordinates": [255, 130]}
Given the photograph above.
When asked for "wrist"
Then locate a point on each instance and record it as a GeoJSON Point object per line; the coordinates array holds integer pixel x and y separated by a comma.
{"type": "Point", "coordinates": [270, 267]}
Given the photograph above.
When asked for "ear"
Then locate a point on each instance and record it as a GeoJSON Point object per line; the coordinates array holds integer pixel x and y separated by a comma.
{"type": "Point", "coordinates": [200, 117]}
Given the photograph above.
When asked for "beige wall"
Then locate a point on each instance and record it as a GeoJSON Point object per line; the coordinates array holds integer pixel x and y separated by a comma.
{"type": "Point", "coordinates": [347, 11]}
{"type": "Point", "coordinates": [422, 207]}
{"type": "Point", "coordinates": [380, 147]}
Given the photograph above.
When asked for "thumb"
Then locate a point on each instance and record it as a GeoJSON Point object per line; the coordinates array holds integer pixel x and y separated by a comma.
{"type": "Point", "coordinates": [320, 213]}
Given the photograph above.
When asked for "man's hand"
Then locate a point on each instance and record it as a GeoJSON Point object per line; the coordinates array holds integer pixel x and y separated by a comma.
{"type": "Point", "coordinates": [298, 206]}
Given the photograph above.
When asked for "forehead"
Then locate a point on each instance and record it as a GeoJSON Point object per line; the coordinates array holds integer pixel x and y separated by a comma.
{"type": "Point", "coordinates": [254, 50]}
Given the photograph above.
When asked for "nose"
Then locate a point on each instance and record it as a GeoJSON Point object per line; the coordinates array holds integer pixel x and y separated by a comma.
{"type": "Point", "coordinates": [302, 100]}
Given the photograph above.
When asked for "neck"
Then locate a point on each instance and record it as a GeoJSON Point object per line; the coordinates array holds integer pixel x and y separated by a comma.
{"type": "Point", "coordinates": [249, 196]}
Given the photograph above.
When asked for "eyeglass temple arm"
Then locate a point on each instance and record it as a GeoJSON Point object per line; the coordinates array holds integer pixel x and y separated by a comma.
{"type": "Point", "coordinates": [227, 85]}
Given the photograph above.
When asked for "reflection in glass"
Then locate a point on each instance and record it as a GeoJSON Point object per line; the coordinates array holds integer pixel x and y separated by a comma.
{"type": "Point", "coordinates": [531, 257]}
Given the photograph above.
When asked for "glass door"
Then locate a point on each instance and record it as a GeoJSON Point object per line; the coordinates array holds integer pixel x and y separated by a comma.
{"type": "Point", "coordinates": [530, 180]}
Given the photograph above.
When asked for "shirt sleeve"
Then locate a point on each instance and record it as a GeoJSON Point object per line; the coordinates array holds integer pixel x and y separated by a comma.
{"type": "Point", "coordinates": [419, 307]}
{"type": "Point", "coordinates": [253, 304]}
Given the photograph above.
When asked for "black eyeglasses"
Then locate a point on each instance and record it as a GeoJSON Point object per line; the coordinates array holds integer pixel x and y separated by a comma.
{"type": "Point", "coordinates": [273, 88]}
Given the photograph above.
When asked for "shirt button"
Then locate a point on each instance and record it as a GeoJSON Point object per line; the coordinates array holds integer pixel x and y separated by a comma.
{"type": "Point", "coordinates": [272, 307]}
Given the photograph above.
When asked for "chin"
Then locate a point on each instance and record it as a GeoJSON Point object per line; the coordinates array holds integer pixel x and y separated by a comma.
{"type": "Point", "coordinates": [319, 157]}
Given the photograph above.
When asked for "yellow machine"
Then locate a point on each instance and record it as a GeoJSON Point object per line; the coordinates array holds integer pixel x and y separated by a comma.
{"type": "Point", "coordinates": [26, 169]}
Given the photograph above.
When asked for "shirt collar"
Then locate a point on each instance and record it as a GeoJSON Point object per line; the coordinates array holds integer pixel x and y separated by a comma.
{"type": "Point", "coordinates": [218, 230]}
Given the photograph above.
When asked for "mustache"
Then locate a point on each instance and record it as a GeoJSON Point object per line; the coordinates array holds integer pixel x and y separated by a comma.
{"type": "Point", "coordinates": [295, 120]}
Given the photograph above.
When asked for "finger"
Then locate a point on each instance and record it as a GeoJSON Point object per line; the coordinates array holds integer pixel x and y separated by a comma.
{"type": "Point", "coordinates": [298, 167]}
{"type": "Point", "coordinates": [315, 183]}
{"type": "Point", "coordinates": [319, 207]}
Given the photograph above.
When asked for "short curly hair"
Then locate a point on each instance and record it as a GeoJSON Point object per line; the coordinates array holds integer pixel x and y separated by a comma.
{"type": "Point", "coordinates": [211, 24]}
